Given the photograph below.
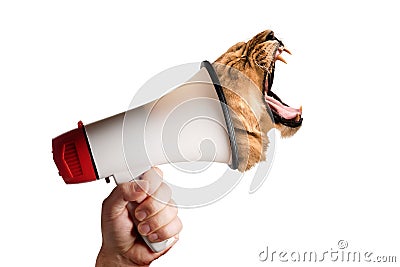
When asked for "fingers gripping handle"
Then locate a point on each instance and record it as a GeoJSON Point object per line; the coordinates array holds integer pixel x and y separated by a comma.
{"type": "Point", "coordinates": [154, 246]}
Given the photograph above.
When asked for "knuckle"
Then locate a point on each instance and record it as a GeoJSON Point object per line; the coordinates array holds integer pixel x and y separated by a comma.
{"type": "Point", "coordinates": [164, 193]}
{"type": "Point", "coordinates": [171, 229]}
{"type": "Point", "coordinates": [180, 225]}
{"type": "Point", "coordinates": [173, 204]}
{"type": "Point", "coordinates": [155, 222]}
{"type": "Point", "coordinates": [158, 171]}
{"type": "Point", "coordinates": [172, 211]}
{"type": "Point", "coordinates": [163, 233]}
{"type": "Point", "coordinates": [123, 189]}
{"type": "Point", "coordinates": [149, 206]}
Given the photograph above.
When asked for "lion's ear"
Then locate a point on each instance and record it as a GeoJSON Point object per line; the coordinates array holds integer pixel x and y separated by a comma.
{"type": "Point", "coordinates": [236, 51]}
{"type": "Point", "coordinates": [237, 47]}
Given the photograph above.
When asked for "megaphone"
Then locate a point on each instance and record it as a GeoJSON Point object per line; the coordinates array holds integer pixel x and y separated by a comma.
{"type": "Point", "coordinates": [169, 129]}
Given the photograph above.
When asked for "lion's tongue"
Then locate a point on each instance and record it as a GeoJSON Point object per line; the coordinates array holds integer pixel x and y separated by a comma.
{"type": "Point", "coordinates": [284, 111]}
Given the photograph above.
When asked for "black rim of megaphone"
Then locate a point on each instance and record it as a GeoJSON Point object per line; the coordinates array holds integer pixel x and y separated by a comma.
{"type": "Point", "coordinates": [225, 110]}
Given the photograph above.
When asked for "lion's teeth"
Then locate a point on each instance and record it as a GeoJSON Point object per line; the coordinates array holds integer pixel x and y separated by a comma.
{"type": "Point", "coordinates": [301, 109]}
{"type": "Point", "coordinates": [298, 117]}
{"type": "Point", "coordinates": [279, 57]}
{"type": "Point", "coordinates": [287, 50]}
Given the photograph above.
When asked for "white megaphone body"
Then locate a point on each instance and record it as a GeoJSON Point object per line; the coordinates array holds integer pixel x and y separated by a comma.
{"type": "Point", "coordinates": [170, 129]}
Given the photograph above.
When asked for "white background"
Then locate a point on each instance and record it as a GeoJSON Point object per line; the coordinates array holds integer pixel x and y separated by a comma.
{"type": "Point", "coordinates": [337, 178]}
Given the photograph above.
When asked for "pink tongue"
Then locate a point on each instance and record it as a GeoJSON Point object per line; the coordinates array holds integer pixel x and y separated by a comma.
{"type": "Point", "coordinates": [286, 112]}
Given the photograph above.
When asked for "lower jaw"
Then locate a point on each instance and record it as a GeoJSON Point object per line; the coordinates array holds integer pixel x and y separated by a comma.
{"type": "Point", "coordinates": [278, 119]}
{"type": "Point", "coordinates": [285, 122]}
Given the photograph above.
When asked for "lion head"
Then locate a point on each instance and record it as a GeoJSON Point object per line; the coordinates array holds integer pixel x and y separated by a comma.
{"type": "Point", "coordinates": [246, 72]}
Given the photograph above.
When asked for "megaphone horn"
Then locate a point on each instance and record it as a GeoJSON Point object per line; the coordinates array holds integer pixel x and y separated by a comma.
{"type": "Point", "coordinates": [125, 145]}
{"type": "Point", "coordinates": [166, 130]}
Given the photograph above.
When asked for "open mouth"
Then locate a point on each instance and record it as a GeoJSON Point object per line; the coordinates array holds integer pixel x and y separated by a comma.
{"type": "Point", "coordinates": [282, 113]}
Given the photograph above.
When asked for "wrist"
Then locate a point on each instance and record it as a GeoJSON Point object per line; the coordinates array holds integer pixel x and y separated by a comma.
{"type": "Point", "coordinates": [109, 259]}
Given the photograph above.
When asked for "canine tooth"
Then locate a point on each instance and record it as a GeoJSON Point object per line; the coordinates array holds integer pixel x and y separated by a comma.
{"type": "Point", "coordinates": [298, 117]}
{"type": "Point", "coordinates": [301, 109]}
{"type": "Point", "coordinates": [279, 57]}
{"type": "Point", "coordinates": [287, 50]}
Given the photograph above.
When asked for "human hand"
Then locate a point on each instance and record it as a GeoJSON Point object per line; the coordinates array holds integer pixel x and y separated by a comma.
{"type": "Point", "coordinates": [149, 200]}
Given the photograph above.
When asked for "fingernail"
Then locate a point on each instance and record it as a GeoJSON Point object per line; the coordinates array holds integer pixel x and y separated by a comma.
{"type": "Point", "coordinates": [153, 237]}
{"type": "Point", "coordinates": [144, 229]}
{"type": "Point", "coordinates": [141, 215]}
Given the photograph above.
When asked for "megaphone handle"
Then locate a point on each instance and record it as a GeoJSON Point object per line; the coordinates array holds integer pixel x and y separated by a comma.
{"type": "Point", "coordinates": [155, 246]}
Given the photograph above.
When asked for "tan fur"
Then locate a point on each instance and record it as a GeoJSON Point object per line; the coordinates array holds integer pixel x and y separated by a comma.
{"type": "Point", "coordinates": [241, 71]}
